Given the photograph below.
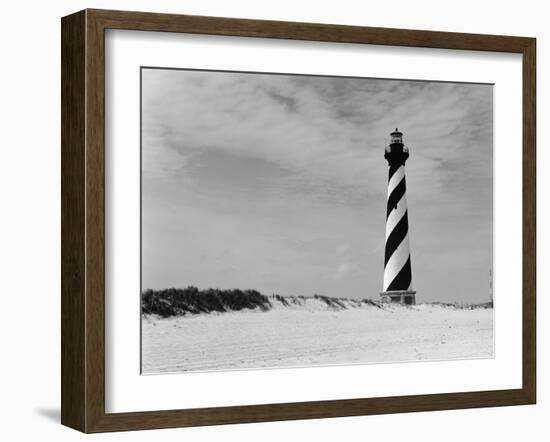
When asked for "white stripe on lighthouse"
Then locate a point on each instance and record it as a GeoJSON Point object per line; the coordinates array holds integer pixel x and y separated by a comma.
{"type": "Point", "coordinates": [396, 179]}
{"type": "Point", "coordinates": [397, 261]}
{"type": "Point", "coordinates": [396, 215]}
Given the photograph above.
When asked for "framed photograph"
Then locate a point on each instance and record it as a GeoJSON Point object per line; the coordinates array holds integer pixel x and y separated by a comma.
{"type": "Point", "coordinates": [268, 221]}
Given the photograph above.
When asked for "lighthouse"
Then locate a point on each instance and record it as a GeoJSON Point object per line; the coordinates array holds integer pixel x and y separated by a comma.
{"type": "Point", "coordinates": [397, 257]}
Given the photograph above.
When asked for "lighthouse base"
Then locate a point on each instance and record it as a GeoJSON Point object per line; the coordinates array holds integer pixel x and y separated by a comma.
{"type": "Point", "coordinates": [405, 297]}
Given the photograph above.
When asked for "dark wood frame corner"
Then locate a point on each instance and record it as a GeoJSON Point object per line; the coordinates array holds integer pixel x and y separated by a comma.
{"type": "Point", "coordinates": [83, 216]}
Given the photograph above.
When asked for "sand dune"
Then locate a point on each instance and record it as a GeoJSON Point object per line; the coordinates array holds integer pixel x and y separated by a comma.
{"type": "Point", "coordinates": [312, 333]}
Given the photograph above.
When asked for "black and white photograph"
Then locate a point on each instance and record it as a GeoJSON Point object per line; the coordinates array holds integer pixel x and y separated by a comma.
{"type": "Point", "coordinates": [302, 220]}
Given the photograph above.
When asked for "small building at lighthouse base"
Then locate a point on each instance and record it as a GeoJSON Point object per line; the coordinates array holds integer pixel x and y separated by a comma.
{"type": "Point", "coordinates": [406, 297]}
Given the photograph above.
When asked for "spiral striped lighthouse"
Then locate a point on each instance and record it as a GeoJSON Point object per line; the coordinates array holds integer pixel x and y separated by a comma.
{"type": "Point", "coordinates": [397, 259]}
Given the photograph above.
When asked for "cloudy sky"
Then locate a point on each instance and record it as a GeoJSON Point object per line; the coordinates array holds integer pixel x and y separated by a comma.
{"type": "Point", "coordinates": [278, 183]}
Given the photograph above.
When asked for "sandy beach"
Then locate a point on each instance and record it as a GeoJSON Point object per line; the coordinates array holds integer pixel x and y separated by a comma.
{"type": "Point", "coordinates": [310, 335]}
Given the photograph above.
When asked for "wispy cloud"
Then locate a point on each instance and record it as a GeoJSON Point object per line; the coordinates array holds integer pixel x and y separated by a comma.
{"type": "Point", "coordinates": [346, 268]}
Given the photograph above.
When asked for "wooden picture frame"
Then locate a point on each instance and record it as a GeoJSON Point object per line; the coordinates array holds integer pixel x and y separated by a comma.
{"type": "Point", "coordinates": [83, 220]}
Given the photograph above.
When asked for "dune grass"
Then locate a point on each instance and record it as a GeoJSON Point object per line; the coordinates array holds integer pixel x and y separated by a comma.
{"type": "Point", "coordinates": [192, 301]}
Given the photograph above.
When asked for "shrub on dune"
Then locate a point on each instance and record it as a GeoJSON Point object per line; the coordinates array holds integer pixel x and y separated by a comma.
{"type": "Point", "coordinates": [191, 300]}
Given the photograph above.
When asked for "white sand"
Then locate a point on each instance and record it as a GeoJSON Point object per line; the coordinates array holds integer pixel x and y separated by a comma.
{"type": "Point", "coordinates": [286, 337]}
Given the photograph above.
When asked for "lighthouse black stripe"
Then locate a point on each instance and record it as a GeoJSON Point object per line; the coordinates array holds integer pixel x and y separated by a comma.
{"type": "Point", "coordinates": [403, 279]}
{"type": "Point", "coordinates": [393, 169]}
{"type": "Point", "coordinates": [396, 236]}
{"type": "Point", "coordinates": [396, 196]}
